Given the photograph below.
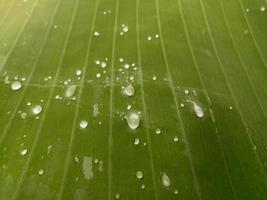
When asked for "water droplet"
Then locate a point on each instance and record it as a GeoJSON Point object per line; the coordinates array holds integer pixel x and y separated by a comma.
{"type": "Point", "coordinates": [129, 90]}
{"type": "Point", "coordinates": [23, 152]}
{"type": "Point", "coordinates": [41, 172]}
{"type": "Point", "coordinates": [175, 139]}
{"type": "Point", "coordinates": [129, 107]}
{"type": "Point", "coordinates": [143, 186]}
{"type": "Point", "coordinates": [83, 124]}
{"type": "Point", "coordinates": [154, 78]}
{"type": "Point", "coordinates": [126, 66]}
{"type": "Point", "coordinates": [230, 108]}
{"type": "Point", "coordinates": [149, 38]}
{"type": "Point", "coordinates": [78, 72]}
{"type": "Point", "coordinates": [197, 109]}
{"type": "Point", "coordinates": [157, 131]}
{"type": "Point", "coordinates": [125, 29]}
{"type": "Point", "coordinates": [176, 192]}
{"type": "Point", "coordinates": [23, 115]}
{"type": "Point", "coordinates": [262, 8]}
{"type": "Point", "coordinates": [37, 109]}
{"type": "Point", "coordinates": [186, 91]}
{"type": "Point", "coordinates": [88, 167]}
{"type": "Point", "coordinates": [133, 120]}
{"type": "Point", "coordinates": [95, 110]}
{"type": "Point", "coordinates": [96, 33]}
{"type": "Point", "coordinates": [139, 174]}
{"type": "Point", "coordinates": [182, 105]}
{"type": "Point", "coordinates": [98, 75]}
{"type": "Point", "coordinates": [165, 180]}
{"type": "Point", "coordinates": [121, 59]}
{"type": "Point", "coordinates": [117, 196]}
{"type": "Point", "coordinates": [70, 91]}
{"type": "Point", "coordinates": [157, 36]}
{"type": "Point", "coordinates": [16, 85]}
{"type": "Point", "coordinates": [103, 64]}
{"type": "Point", "coordinates": [136, 141]}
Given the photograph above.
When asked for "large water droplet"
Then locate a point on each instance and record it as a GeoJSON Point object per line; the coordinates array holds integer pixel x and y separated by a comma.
{"type": "Point", "coordinates": [16, 85]}
{"type": "Point", "coordinates": [37, 109]}
{"type": "Point", "coordinates": [133, 120]}
{"type": "Point", "coordinates": [83, 124]}
{"type": "Point", "coordinates": [139, 174]}
{"type": "Point", "coordinates": [70, 91]}
{"type": "Point", "coordinates": [129, 90]}
{"type": "Point", "coordinates": [165, 180]}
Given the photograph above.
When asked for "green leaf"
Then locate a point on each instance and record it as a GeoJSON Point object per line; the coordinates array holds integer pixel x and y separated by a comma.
{"type": "Point", "coordinates": [133, 99]}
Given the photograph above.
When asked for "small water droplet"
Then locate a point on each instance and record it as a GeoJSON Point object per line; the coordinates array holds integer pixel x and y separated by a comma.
{"type": "Point", "coordinates": [16, 85]}
{"type": "Point", "coordinates": [157, 131]}
{"type": "Point", "coordinates": [149, 38]}
{"type": "Point", "coordinates": [136, 141]}
{"type": "Point", "coordinates": [98, 75]}
{"type": "Point", "coordinates": [186, 91]}
{"type": "Point", "coordinates": [176, 192]}
{"type": "Point", "coordinates": [133, 120]}
{"type": "Point", "coordinates": [126, 66]}
{"type": "Point", "coordinates": [154, 78]}
{"type": "Point", "coordinates": [103, 64]}
{"type": "Point", "coordinates": [143, 186]}
{"type": "Point", "coordinates": [117, 196]}
{"type": "Point", "coordinates": [23, 115]}
{"type": "Point", "coordinates": [129, 90]}
{"type": "Point", "coordinates": [83, 124]}
{"type": "Point", "coordinates": [23, 152]}
{"type": "Point", "coordinates": [139, 174]}
{"type": "Point", "coordinates": [41, 172]}
{"type": "Point", "coordinates": [37, 109]}
{"type": "Point", "coordinates": [125, 29]}
{"type": "Point", "coordinates": [78, 72]}
{"type": "Point", "coordinates": [262, 8]}
{"type": "Point", "coordinates": [175, 139]}
{"type": "Point", "coordinates": [129, 107]}
{"type": "Point", "coordinates": [165, 180]}
{"type": "Point", "coordinates": [96, 33]}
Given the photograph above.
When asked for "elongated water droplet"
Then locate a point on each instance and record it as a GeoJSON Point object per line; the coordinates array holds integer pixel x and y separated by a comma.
{"type": "Point", "coordinates": [70, 91]}
{"type": "Point", "coordinates": [83, 124]}
{"type": "Point", "coordinates": [37, 109]}
{"type": "Point", "coordinates": [139, 174]}
{"type": "Point", "coordinates": [133, 120]}
{"type": "Point", "coordinates": [88, 167]}
{"type": "Point", "coordinates": [129, 90]}
{"type": "Point", "coordinates": [16, 85]}
{"type": "Point", "coordinates": [95, 110]}
{"type": "Point", "coordinates": [198, 110]}
{"type": "Point", "coordinates": [165, 180]}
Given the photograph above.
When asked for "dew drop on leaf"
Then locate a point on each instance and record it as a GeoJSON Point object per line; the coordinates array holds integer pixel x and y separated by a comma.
{"type": "Point", "coordinates": [133, 120]}
{"type": "Point", "coordinates": [83, 124]}
{"type": "Point", "coordinates": [16, 85]}
{"type": "Point", "coordinates": [70, 91]}
{"type": "Point", "coordinates": [37, 109]}
{"type": "Point", "coordinates": [165, 180]}
{"type": "Point", "coordinates": [139, 174]}
{"type": "Point", "coordinates": [129, 90]}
